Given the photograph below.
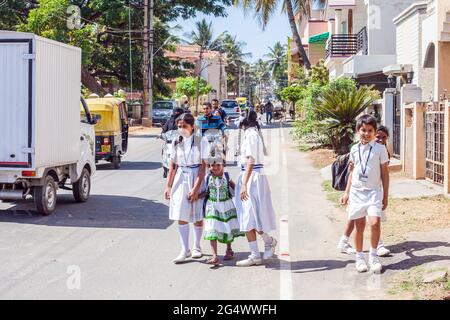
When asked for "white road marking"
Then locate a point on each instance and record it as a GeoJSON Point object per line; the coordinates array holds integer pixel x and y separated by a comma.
{"type": "Point", "coordinates": [286, 287]}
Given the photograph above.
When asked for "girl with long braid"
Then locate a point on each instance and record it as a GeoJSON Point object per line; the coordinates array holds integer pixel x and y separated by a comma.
{"type": "Point", "coordinates": [253, 198]}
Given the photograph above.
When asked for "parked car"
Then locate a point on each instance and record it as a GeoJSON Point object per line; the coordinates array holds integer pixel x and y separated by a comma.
{"type": "Point", "coordinates": [111, 129]}
{"type": "Point", "coordinates": [231, 107]}
{"type": "Point", "coordinates": [162, 110]}
{"type": "Point", "coordinates": [45, 144]}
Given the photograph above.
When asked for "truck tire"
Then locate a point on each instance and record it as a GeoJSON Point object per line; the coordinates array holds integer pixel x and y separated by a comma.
{"type": "Point", "coordinates": [82, 188]}
{"type": "Point", "coordinates": [116, 161]}
{"type": "Point", "coordinates": [45, 196]}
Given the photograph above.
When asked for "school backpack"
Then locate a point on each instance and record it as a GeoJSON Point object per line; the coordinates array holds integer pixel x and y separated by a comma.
{"type": "Point", "coordinates": [340, 172]}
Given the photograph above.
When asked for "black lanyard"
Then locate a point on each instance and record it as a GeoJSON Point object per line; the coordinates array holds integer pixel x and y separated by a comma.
{"type": "Point", "coordinates": [364, 169]}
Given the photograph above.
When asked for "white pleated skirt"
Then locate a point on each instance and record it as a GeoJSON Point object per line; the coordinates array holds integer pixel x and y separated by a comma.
{"type": "Point", "coordinates": [257, 212]}
{"type": "Point", "coordinates": [180, 207]}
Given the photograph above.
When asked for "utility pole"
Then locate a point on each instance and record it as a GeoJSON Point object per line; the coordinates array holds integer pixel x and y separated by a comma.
{"type": "Point", "coordinates": [152, 42]}
{"type": "Point", "coordinates": [146, 66]}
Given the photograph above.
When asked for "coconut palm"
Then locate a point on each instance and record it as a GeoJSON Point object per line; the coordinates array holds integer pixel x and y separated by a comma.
{"type": "Point", "coordinates": [236, 59]}
{"type": "Point", "coordinates": [202, 36]}
{"type": "Point", "coordinates": [264, 10]}
{"type": "Point", "coordinates": [276, 57]}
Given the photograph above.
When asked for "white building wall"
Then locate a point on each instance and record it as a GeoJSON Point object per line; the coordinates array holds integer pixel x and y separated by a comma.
{"type": "Point", "coordinates": [359, 16]}
{"type": "Point", "coordinates": [380, 25]}
{"type": "Point", "coordinates": [408, 43]}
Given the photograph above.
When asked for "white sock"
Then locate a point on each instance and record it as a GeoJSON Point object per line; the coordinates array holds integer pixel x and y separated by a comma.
{"type": "Point", "coordinates": [267, 239]}
{"type": "Point", "coordinates": [380, 243]}
{"type": "Point", "coordinates": [360, 255]}
{"type": "Point", "coordinates": [254, 250]}
{"type": "Point", "coordinates": [183, 229]}
{"type": "Point", "coordinates": [344, 238]}
{"type": "Point", "coordinates": [198, 232]}
{"type": "Point", "coordinates": [373, 251]}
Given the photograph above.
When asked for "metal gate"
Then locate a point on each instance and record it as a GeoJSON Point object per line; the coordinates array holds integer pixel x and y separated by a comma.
{"type": "Point", "coordinates": [434, 142]}
{"type": "Point", "coordinates": [397, 124]}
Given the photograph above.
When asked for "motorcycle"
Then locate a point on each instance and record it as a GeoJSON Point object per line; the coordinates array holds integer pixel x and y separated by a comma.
{"type": "Point", "coordinates": [217, 143]}
{"type": "Point", "coordinates": [168, 137]}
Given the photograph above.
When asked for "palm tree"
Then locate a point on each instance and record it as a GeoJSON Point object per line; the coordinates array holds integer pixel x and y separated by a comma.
{"type": "Point", "coordinates": [202, 36]}
{"type": "Point", "coordinates": [277, 61]}
{"type": "Point", "coordinates": [265, 9]}
{"type": "Point", "coordinates": [276, 57]}
{"type": "Point", "coordinates": [235, 56]}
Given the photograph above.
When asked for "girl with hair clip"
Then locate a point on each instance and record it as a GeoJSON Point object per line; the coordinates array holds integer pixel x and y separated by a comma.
{"type": "Point", "coordinates": [253, 198]}
{"type": "Point", "coordinates": [186, 176]}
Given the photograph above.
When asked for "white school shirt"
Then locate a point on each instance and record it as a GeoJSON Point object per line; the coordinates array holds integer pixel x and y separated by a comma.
{"type": "Point", "coordinates": [251, 146]}
{"type": "Point", "coordinates": [190, 152]}
{"type": "Point", "coordinates": [378, 156]}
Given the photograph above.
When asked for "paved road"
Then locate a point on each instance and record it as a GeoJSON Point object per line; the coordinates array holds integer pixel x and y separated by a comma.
{"type": "Point", "coordinates": [121, 242]}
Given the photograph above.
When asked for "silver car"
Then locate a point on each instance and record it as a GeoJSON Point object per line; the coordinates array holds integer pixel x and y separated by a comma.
{"type": "Point", "coordinates": [162, 110]}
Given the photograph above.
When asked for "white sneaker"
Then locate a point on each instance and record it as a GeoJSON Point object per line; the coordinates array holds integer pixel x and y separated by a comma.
{"type": "Point", "coordinates": [345, 247]}
{"type": "Point", "coordinates": [250, 261]}
{"type": "Point", "coordinates": [375, 264]}
{"type": "Point", "coordinates": [382, 251]}
{"type": "Point", "coordinates": [269, 249]}
{"type": "Point", "coordinates": [361, 265]}
{"type": "Point", "coordinates": [182, 257]}
{"type": "Point", "coordinates": [197, 253]}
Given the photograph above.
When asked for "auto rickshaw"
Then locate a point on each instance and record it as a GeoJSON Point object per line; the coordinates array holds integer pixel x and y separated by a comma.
{"type": "Point", "coordinates": [242, 103]}
{"type": "Point", "coordinates": [111, 130]}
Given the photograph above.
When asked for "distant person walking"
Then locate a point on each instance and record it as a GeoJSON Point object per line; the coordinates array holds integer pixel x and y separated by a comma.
{"type": "Point", "coordinates": [268, 108]}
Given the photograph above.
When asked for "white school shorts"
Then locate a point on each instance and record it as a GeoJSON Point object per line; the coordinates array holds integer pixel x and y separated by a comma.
{"type": "Point", "coordinates": [365, 203]}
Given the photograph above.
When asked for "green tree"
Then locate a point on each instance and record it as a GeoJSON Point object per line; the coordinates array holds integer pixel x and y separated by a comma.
{"type": "Point", "coordinates": [104, 37]}
{"type": "Point", "coordinates": [277, 61]}
{"type": "Point", "coordinates": [189, 86]}
{"type": "Point", "coordinates": [319, 73]}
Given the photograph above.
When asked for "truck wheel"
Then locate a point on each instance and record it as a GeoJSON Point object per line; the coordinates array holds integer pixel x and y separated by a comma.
{"type": "Point", "coordinates": [45, 196]}
{"type": "Point", "coordinates": [116, 161]}
{"type": "Point", "coordinates": [82, 188]}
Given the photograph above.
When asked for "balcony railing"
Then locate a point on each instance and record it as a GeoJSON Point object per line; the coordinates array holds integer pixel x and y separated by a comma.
{"type": "Point", "coordinates": [346, 45]}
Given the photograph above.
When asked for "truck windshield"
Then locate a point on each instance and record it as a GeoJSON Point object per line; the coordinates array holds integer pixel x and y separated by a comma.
{"type": "Point", "coordinates": [163, 105]}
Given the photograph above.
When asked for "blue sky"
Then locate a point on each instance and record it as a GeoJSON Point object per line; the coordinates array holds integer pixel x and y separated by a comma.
{"type": "Point", "coordinates": [246, 28]}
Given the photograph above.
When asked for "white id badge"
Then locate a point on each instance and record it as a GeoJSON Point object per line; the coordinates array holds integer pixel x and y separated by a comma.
{"type": "Point", "coordinates": [363, 177]}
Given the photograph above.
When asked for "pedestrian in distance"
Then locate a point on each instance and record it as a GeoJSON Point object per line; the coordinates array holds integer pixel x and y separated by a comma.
{"type": "Point", "coordinates": [253, 197]}
{"type": "Point", "coordinates": [184, 183]}
{"type": "Point", "coordinates": [367, 190]}
{"type": "Point", "coordinates": [269, 111]}
{"type": "Point", "coordinates": [221, 223]}
{"type": "Point", "coordinates": [344, 246]}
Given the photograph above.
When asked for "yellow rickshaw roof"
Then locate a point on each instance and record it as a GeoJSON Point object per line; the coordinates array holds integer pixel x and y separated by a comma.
{"type": "Point", "coordinates": [103, 104]}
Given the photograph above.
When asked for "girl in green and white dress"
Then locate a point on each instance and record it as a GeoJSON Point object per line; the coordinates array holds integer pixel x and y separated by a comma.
{"type": "Point", "coordinates": [221, 224]}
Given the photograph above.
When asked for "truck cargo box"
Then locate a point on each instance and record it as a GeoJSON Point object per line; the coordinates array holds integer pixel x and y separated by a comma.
{"type": "Point", "coordinates": [40, 85]}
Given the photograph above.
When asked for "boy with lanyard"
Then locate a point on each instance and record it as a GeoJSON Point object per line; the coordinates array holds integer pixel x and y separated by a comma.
{"type": "Point", "coordinates": [367, 190]}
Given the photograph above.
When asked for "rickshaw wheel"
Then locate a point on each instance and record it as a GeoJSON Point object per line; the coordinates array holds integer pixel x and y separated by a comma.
{"type": "Point", "coordinates": [116, 161]}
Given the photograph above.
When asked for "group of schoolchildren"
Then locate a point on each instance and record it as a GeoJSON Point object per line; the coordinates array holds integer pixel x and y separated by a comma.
{"type": "Point", "coordinates": [219, 208]}
{"type": "Point", "coordinates": [222, 210]}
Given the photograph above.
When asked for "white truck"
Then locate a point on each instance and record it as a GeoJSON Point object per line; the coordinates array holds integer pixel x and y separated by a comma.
{"type": "Point", "coordinates": [44, 143]}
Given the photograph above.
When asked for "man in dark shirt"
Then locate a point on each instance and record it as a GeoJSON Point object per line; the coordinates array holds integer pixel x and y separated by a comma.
{"type": "Point", "coordinates": [268, 109]}
{"type": "Point", "coordinates": [171, 124]}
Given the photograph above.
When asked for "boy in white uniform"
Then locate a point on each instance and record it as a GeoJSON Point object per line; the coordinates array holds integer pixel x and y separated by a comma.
{"type": "Point", "coordinates": [367, 190]}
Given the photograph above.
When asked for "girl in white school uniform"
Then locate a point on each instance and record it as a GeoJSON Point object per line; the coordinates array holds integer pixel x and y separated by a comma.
{"type": "Point", "coordinates": [253, 199]}
{"type": "Point", "coordinates": [184, 183]}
